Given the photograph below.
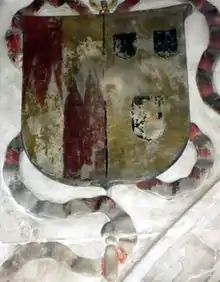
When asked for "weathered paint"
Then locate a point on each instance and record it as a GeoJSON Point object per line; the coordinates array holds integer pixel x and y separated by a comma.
{"type": "Point", "coordinates": [152, 77]}
{"type": "Point", "coordinates": [53, 250]}
{"type": "Point", "coordinates": [63, 116]}
{"type": "Point", "coordinates": [81, 59]}
{"type": "Point", "coordinates": [205, 70]}
{"type": "Point", "coordinates": [84, 126]}
{"type": "Point", "coordinates": [42, 115]}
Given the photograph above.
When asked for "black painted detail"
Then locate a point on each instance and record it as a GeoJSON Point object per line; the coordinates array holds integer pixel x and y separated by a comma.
{"type": "Point", "coordinates": [165, 42]}
{"type": "Point", "coordinates": [125, 45]}
{"type": "Point", "coordinates": [213, 100]}
{"type": "Point", "coordinates": [208, 8]}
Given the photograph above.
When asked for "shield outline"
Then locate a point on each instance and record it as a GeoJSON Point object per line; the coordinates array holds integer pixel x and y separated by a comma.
{"type": "Point", "coordinates": [62, 179]}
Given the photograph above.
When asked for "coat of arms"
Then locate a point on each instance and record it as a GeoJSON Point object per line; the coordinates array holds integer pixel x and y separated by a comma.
{"type": "Point", "coordinates": [102, 90]}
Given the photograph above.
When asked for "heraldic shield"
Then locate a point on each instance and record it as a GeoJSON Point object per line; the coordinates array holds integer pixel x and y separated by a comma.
{"type": "Point", "coordinates": [105, 97]}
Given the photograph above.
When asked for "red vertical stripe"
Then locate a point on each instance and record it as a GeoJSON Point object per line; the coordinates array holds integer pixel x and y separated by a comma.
{"type": "Point", "coordinates": [84, 128]}
{"type": "Point", "coordinates": [42, 53]}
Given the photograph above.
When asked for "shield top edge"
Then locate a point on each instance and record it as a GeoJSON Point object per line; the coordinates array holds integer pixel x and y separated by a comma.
{"type": "Point", "coordinates": [188, 6]}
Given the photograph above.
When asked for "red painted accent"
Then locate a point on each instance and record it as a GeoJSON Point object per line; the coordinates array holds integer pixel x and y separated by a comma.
{"type": "Point", "coordinates": [95, 204]}
{"type": "Point", "coordinates": [72, 131]}
{"type": "Point", "coordinates": [148, 184]}
{"type": "Point", "coordinates": [126, 5]}
{"type": "Point", "coordinates": [84, 131]}
{"type": "Point", "coordinates": [197, 173]}
{"type": "Point", "coordinates": [102, 266]}
{"type": "Point", "coordinates": [13, 42]}
{"type": "Point", "coordinates": [12, 157]}
{"type": "Point", "coordinates": [206, 62]}
{"type": "Point", "coordinates": [199, 3]}
{"type": "Point", "coordinates": [122, 255]}
{"type": "Point", "coordinates": [194, 132]}
{"type": "Point", "coordinates": [214, 41]}
{"type": "Point", "coordinates": [78, 6]}
{"type": "Point", "coordinates": [41, 57]}
{"type": "Point", "coordinates": [205, 153]}
{"type": "Point", "coordinates": [205, 89]}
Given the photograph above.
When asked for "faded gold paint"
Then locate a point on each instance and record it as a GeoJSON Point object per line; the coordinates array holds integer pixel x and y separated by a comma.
{"type": "Point", "coordinates": [82, 41]}
{"type": "Point", "coordinates": [129, 157]}
{"type": "Point", "coordinates": [42, 126]}
{"type": "Point", "coordinates": [148, 74]}
{"type": "Point", "coordinates": [42, 130]}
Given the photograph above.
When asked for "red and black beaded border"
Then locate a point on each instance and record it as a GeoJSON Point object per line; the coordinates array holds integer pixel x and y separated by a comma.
{"type": "Point", "coordinates": [210, 57]}
{"type": "Point", "coordinates": [202, 144]}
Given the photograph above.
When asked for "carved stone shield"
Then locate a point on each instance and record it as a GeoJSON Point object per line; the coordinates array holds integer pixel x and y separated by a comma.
{"type": "Point", "coordinates": [105, 98]}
